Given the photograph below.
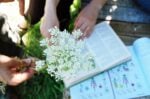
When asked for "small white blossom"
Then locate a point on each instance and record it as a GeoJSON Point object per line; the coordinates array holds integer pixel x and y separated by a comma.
{"type": "Point", "coordinates": [39, 65]}
{"type": "Point", "coordinates": [43, 42]}
{"type": "Point", "coordinates": [76, 34]}
{"type": "Point", "coordinates": [66, 57]}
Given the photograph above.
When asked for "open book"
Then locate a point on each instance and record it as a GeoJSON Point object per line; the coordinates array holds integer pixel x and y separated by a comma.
{"type": "Point", "coordinates": [128, 80]}
{"type": "Point", "coordinates": [107, 49]}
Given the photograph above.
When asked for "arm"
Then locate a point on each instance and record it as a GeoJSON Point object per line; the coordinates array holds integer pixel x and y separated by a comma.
{"type": "Point", "coordinates": [21, 7]}
{"type": "Point", "coordinates": [88, 16]}
{"type": "Point", "coordinates": [50, 17]}
{"type": "Point", "coordinates": [6, 0]}
{"type": "Point", "coordinates": [98, 3]}
{"type": "Point", "coordinates": [9, 70]}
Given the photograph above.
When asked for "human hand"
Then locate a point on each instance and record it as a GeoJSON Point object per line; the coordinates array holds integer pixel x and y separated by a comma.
{"type": "Point", "coordinates": [46, 24]}
{"type": "Point", "coordinates": [50, 18]}
{"type": "Point", "coordinates": [10, 70]}
{"type": "Point", "coordinates": [86, 20]}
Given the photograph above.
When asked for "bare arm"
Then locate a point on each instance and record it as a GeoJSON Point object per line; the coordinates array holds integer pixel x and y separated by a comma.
{"type": "Point", "coordinates": [98, 3]}
{"type": "Point", "coordinates": [50, 18]}
{"type": "Point", "coordinates": [88, 16]}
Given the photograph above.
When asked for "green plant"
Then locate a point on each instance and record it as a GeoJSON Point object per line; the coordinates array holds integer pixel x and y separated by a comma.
{"type": "Point", "coordinates": [31, 41]}
{"type": "Point", "coordinates": [41, 85]}
{"type": "Point", "coordinates": [74, 10]}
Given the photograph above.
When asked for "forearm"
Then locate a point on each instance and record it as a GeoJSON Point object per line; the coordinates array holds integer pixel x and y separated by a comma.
{"type": "Point", "coordinates": [50, 17]}
{"type": "Point", "coordinates": [98, 4]}
{"type": "Point", "coordinates": [50, 6]}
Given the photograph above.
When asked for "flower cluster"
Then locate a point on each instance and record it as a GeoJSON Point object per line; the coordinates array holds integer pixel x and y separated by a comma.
{"type": "Point", "coordinates": [65, 55]}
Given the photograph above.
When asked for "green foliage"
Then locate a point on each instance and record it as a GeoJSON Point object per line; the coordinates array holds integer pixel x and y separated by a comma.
{"type": "Point", "coordinates": [31, 41]}
{"type": "Point", "coordinates": [41, 86]}
{"type": "Point", "coordinates": [74, 10]}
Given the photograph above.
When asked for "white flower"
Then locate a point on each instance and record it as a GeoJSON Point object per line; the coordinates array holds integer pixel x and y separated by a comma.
{"type": "Point", "coordinates": [76, 34]}
{"type": "Point", "coordinates": [66, 56]}
{"type": "Point", "coordinates": [39, 65]}
{"type": "Point", "coordinates": [43, 42]}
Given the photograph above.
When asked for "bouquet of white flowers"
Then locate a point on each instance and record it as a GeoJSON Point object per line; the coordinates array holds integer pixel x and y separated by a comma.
{"type": "Point", "coordinates": [65, 55]}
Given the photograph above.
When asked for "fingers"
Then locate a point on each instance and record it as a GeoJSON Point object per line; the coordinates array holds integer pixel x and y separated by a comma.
{"type": "Point", "coordinates": [18, 65]}
{"type": "Point", "coordinates": [84, 26]}
{"type": "Point", "coordinates": [15, 70]}
{"type": "Point", "coordinates": [29, 62]}
{"type": "Point", "coordinates": [88, 31]}
{"type": "Point", "coordinates": [78, 22]}
{"type": "Point", "coordinates": [20, 77]}
{"type": "Point", "coordinates": [48, 22]}
{"type": "Point", "coordinates": [86, 20]}
{"type": "Point", "coordinates": [14, 63]}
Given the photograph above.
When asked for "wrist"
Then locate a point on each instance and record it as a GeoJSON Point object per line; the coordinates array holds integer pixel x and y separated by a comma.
{"type": "Point", "coordinates": [50, 7]}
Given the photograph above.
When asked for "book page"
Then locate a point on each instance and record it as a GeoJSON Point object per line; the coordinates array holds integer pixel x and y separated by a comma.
{"type": "Point", "coordinates": [123, 82]}
{"type": "Point", "coordinates": [142, 49]}
{"type": "Point", "coordinates": [128, 79]}
{"type": "Point", "coordinates": [107, 49]}
{"type": "Point", "coordinates": [98, 87]}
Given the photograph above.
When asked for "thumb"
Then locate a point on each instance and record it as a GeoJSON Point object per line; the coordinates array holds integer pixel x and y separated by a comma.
{"type": "Point", "coordinates": [20, 77]}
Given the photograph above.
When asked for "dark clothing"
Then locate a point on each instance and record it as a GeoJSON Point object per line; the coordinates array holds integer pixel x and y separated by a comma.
{"type": "Point", "coordinates": [36, 11]}
{"type": "Point", "coordinates": [7, 47]}
{"type": "Point", "coordinates": [144, 4]}
{"type": "Point", "coordinates": [63, 13]}
{"type": "Point", "coordinates": [10, 49]}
